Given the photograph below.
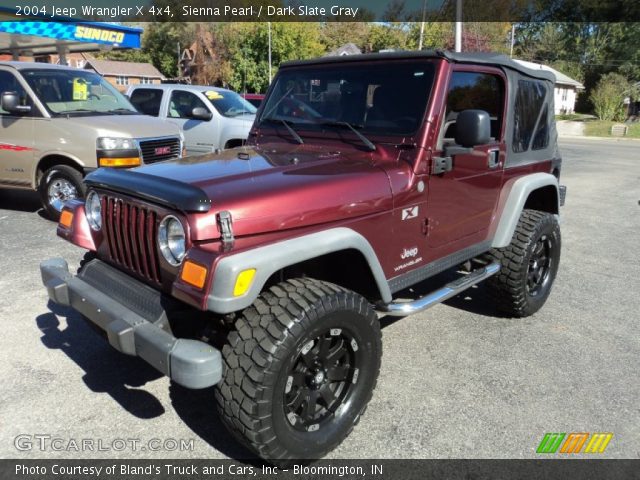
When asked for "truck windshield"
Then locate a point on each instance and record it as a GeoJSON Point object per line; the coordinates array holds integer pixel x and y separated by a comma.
{"type": "Point", "coordinates": [228, 103]}
{"type": "Point", "coordinates": [383, 98]}
{"type": "Point", "coordinates": [70, 92]}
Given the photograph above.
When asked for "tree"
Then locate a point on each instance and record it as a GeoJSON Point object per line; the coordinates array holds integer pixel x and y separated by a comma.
{"type": "Point", "coordinates": [161, 41]}
{"type": "Point", "coordinates": [386, 36]}
{"type": "Point", "coordinates": [476, 36]}
{"type": "Point", "coordinates": [138, 56]}
{"type": "Point", "coordinates": [584, 51]}
{"type": "Point", "coordinates": [436, 35]}
{"type": "Point", "coordinates": [608, 97]}
{"type": "Point", "coordinates": [209, 65]}
{"type": "Point", "coordinates": [335, 34]}
{"type": "Point", "coordinates": [247, 45]}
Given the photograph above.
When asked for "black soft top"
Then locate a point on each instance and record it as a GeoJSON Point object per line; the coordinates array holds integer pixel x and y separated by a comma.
{"type": "Point", "coordinates": [494, 59]}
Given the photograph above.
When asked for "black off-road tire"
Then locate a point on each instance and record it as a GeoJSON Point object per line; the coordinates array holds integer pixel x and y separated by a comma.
{"type": "Point", "coordinates": [59, 173]}
{"type": "Point", "coordinates": [267, 353]}
{"type": "Point", "coordinates": [512, 288]}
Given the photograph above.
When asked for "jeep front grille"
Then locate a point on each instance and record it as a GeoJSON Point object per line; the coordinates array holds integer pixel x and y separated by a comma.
{"type": "Point", "coordinates": [159, 149]}
{"type": "Point", "coordinates": [131, 232]}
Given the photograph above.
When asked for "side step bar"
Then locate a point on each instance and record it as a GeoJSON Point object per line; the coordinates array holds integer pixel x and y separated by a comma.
{"type": "Point", "coordinates": [451, 289]}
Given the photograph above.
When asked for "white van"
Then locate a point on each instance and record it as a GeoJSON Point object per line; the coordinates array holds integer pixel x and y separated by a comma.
{"type": "Point", "coordinates": [210, 118]}
{"type": "Point", "coordinates": [59, 123]}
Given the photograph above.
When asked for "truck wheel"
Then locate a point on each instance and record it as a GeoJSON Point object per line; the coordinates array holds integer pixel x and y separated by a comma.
{"type": "Point", "coordinates": [528, 265]}
{"type": "Point", "coordinates": [299, 369]}
{"type": "Point", "coordinates": [58, 185]}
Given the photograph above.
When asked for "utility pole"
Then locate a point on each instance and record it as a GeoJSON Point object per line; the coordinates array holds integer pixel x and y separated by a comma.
{"type": "Point", "coordinates": [424, 9]}
{"type": "Point", "coordinates": [513, 38]}
{"type": "Point", "coordinates": [458, 46]}
{"type": "Point", "coordinates": [179, 63]}
{"type": "Point", "coordinates": [270, 76]}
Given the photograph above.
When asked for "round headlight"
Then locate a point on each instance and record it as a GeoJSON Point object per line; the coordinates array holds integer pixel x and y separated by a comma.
{"type": "Point", "coordinates": [171, 239]}
{"type": "Point", "coordinates": [93, 210]}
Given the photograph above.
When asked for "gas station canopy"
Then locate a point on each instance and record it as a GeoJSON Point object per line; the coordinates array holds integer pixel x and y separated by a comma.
{"type": "Point", "coordinates": [62, 36]}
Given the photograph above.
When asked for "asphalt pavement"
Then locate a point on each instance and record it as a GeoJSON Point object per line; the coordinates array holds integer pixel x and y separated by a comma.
{"type": "Point", "coordinates": [457, 380]}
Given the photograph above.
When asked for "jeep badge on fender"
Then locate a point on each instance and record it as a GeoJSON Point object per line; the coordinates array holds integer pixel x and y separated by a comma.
{"type": "Point", "coordinates": [363, 176]}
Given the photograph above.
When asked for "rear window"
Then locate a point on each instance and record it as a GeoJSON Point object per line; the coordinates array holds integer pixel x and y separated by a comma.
{"type": "Point", "coordinates": [528, 110]}
{"type": "Point", "coordinates": [541, 138]}
{"type": "Point", "coordinates": [147, 100]}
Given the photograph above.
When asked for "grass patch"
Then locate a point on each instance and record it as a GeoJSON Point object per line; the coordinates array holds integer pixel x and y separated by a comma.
{"type": "Point", "coordinates": [602, 128]}
{"type": "Point", "coordinates": [570, 116]}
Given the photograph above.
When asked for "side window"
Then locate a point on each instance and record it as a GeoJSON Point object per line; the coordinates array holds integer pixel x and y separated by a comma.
{"type": "Point", "coordinates": [9, 83]}
{"type": "Point", "coordinates": [541, 138]}
{"type": "Point", "coordinates": [182, 103]}
{"type": "Point", "coordinates": [477, 91]}
{"type": "Point", "coordinates": [529, 102]}
{"type": "Point", "coordinates": [147, 100]}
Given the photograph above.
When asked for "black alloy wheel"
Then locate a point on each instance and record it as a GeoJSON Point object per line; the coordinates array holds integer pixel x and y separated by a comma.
{"type": "Point", "coordinates": [322, 379]}
{"type": "Point", "coordinates": [540, 264]}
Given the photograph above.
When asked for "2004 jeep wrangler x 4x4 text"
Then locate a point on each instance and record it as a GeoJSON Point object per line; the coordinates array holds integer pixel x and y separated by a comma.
{"type": "Point", "coordinates": [260, 269]}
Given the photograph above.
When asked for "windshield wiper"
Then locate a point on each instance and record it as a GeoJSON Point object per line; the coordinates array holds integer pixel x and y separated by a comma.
{"type": "Point", "coordinates": [68, 113]}
{"type": "Point", "coordinates": [79, 110]}
{"type": "Point", "coordinates": [122, 111]}
{"type": "Point", "coordinates": [364, 139]}
{"type": "Point", "coordinates": [237, 114]}
{"type": "Point", "coordinates": [293, 133]}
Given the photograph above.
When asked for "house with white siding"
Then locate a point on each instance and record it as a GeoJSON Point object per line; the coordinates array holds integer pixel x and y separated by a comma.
{"type": "Point", "coordinates": [566, 88]}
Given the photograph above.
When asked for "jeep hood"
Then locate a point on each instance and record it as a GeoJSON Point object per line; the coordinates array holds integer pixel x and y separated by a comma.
{"type": "Point", "coordinates": [267, 190]}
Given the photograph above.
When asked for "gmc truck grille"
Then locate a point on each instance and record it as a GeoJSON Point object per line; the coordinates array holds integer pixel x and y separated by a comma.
{"type": "Point", "coordinates": [159, 149]}
{"type": "Point", "coordinates": [131, 233]}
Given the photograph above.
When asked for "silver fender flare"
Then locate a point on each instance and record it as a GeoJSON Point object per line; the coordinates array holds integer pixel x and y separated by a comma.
{"type": "Point", "coordinates": [513, 206]}
{"type": "Point", "coordinates": [270, 258]}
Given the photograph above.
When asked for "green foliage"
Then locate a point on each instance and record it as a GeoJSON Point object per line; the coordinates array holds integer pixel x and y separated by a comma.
{"type": "Point", "coordinates": [602, 128]}
{"type": "Point", "coordinates": [608, 97]}
{"type": "Point", "coordinates": [584, 51]}
{"type": "Point", "coordinates": [387, 36]}
{"type": "Point", "coordinates": [336, 34]}
{"type": "Point", "coordinates": [247, 47]}
{"type": "Point", "coordinates": [476, 36]}
{"type": "Point", "coordinates": [138, 56]}
{"type": "Point", "coordinates": [160, 42]}
{"type": "Point", "coordinates": [435, 35]}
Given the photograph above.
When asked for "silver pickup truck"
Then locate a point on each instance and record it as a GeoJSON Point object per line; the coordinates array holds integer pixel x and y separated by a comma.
{"type": "Point", "coordinates": [211, 118]}
{"type": "Point", "coordinates": [59, 123]}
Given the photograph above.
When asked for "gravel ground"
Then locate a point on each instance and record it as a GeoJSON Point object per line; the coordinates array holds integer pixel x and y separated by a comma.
{"type": "Point", "coordinates": [456, 380]}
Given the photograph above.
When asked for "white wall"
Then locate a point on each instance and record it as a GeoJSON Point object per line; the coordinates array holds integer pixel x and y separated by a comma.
{"type": "Point", "coordinates": [565, 99]}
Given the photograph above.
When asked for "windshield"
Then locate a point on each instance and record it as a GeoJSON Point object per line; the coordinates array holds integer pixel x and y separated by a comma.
{"type": "Point", "coordinates": [228, 103]}
{"type": "Point", "coordinates": [81, 92]}
{"type": "Point", "coordinates": [380, 98]}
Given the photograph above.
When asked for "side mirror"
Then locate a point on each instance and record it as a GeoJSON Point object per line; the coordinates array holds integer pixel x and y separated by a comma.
{"type": "Point", "coordinates": [10, 102]}
{"type": "Point", "coordinates": [200, 113]}
{"type": "Point", "coordinates": [473, 127]}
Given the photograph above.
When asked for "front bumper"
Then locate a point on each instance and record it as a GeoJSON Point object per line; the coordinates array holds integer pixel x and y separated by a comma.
{"type": "Point", "coordinates": [132, 315]}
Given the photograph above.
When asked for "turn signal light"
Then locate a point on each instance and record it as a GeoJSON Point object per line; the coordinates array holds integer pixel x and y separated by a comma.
{"type": "Point", "coordinates": [66, 218]}
{"type": "Point", "coordinates": [194, 274]}
{"type": "Point", "coordinates": [243, 282]}
{"type": "Point", "coordinates": [119, 162]}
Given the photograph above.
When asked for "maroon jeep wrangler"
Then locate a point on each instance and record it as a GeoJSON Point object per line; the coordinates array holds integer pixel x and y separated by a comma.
{"type": "Point", "coordinates": [263, 270]}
